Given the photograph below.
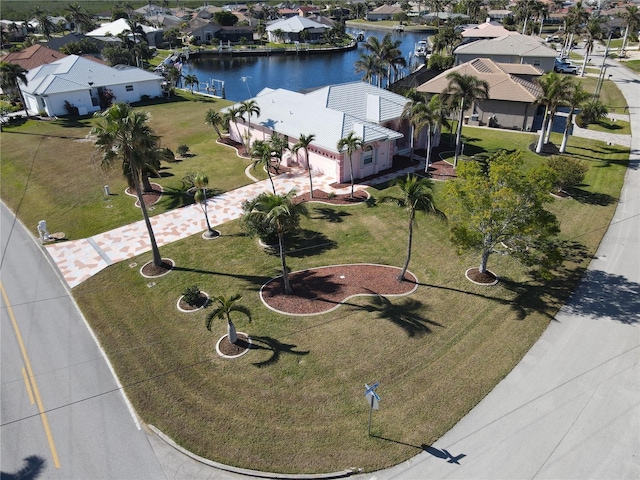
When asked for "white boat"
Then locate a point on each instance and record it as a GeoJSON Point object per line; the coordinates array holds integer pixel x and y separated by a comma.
{"type": "Point", "coordinates": [421, 49]}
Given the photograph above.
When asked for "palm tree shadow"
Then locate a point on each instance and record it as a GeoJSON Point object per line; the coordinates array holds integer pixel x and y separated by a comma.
{"type": "Point", "coordinates": [34, 466]}
{"type": "Point", "coordinates": [330, 215]}
{"type": "Point", "coordinates": [277, 349]}
{"type": "Point", "coordinates": [406, 314]}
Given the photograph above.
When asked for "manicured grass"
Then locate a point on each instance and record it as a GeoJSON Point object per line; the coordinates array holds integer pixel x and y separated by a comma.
{"type": "Point", "coordinates": [633, 65]}
{"type": "Point", "coordinates": [612, 126]}
{"type": "Point", "coordinates": [296, 403]}
{"type": "Point", "coordinates": [38, 157]}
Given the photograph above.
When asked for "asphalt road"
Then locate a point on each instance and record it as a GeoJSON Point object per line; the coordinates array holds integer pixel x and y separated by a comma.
{"type": "Point", "coordinates": [62, 414]}
{"type": "Point", "coordinates": [571, 408]}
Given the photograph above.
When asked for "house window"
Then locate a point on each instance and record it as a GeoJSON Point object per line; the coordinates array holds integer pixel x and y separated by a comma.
{"type": "Point", "coordinates": [129, 88]}
{"type": "Point", "coordinates": [536, 63]}
{"type": "Point", "coordinates": [367, 156]}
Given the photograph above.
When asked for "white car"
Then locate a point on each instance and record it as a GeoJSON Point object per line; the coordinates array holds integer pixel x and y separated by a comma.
{"type": "Point", "coordinates": [566, 68]}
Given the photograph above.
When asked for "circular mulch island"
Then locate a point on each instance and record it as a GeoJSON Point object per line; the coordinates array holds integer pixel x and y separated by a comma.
{"type": "Point", "coordinates": [149, 270]}
{"type": "Point", "coordinates": [202, 302]}
{"type": "Point", "coordinates": [320, 290]}
{"type": "Point", "coordinates": [320, 196]}
{"type": "Point", "coordinates": [150, 198]}
{"type": "Point", "coordinates": [226, 349]}
{"type": "Point", "coordinates": [487, 278]}
{"type": "Point", "coordinates": [211, 234]}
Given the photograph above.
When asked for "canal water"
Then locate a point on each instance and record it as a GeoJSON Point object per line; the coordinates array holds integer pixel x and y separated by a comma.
{"type": "Point", "coordinates": [244, 77]}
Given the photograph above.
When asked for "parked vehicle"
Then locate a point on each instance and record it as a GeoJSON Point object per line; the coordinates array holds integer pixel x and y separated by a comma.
{"type": "Point", "coordinates": [566, 68]}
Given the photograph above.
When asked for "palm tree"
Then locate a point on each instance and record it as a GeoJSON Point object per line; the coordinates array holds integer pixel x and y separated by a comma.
{"type": "Point", "coordinates": [11, 75]}
{"type": "Point", "coordinates": [593, 31]}
{"type": "Point", "coordinates": [278, 211]}
{"type": "Point", "coordinates": [462, 91]}
{"type": "Point", "coordinates": [125, 135]}
{"type": "Point", "coordinates": [173, 75]}
{"type": "Point", "coordinates": [352, 143]}
{"type": "Point", "coordinates": [201, 182]}
{"type": "Point", "coordinates": [370, 66]}
{"type": "Point", "coordinates": [231, 116]}
{"type": "Point", "coordinates": [416, 195]}
{"type": "Point", "coordinates": [261, 151]}
{"type": "Point", "coordinates": [213, 118]}
{"type": "Point", "coordinates": [278, 145]}
{"type": "Point", "coordinates": [190, 81]}
{"type": "Point", "coordinates": [430, 115]}
{"type": "Point", "coordinates": [555, 89]}
{"type": "Point", "coordinates": [78, 16]}
{"type": "Point", "coordinates": [303, 143]}
{"type": "Point", "coordinates": [227, 305]}
{"type": "Point", "coordinates": [576, 98]}
{"type": "Point", "coordinates": [412, 112]}
{"type": "Point", "coordinates": [249, 107]}
{"type": "Point", "coordinates": [631, 19]}
{"type": "Point", "coordinates": [45, 24]}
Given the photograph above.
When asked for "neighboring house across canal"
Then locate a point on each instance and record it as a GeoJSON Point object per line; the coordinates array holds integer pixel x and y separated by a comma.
{"type": "Point", "coordinates": [291, 30]}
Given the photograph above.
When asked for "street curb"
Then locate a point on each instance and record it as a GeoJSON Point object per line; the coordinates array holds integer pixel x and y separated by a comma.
{"type": "Point", "coordinates": [247, 472]}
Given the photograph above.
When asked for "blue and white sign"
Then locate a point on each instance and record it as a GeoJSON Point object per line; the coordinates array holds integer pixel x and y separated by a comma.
{"type": "Point", "coordinates": [372, 397]}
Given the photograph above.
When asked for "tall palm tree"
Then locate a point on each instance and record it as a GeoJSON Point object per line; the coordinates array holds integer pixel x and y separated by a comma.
{"type": "Point", "coordinates": [45, 25]}
{"type": "Point", "coordinates": [231, 116]}
{"type": "Point", "coordinates": [278, 145]}
{"type": "Point", "coordinates": [303, 143]}
{"type": "Point", "coordinates": [213, 118]}
{"type": "Point", "coordinates": [631, 18]}
{"type": "Point", "coordinates": [201, 182]}
{"type": "Point", "coordinates": [555, 89]}
{"type": "Point", "coordinates": [190, 81]}
{"type": "Point", "coordinates": [462, 91]}
{"type": "Point", "coordinates": [415, 195]}
{"type": "Point", "coordinates": [370, 66]}
{"type": "Point", "coordinates": [413, 112]}
{"type": "Point", "coordinates": [430, 116]}
{"type": "Point", "coordinates": [250, 107]}
{"type": "Point", "coordinates": [11, 75]}
{"type": "Point", "coordinates": [278, 211]}
{"type": "Point", "coordinates": [78, 16]}
{"type": "Point", "coordinates": [123, 134]}
{"type": "Point", "coordinates": [225, 307]}
{"type": "Point", "coordinates": [576, 98]}
{"type": "Point", "coordinates": [593, 31]}
{"type": "Point", "coordinates": [351, 142]}
{"type": "Point", "coordinates": [261, 151]}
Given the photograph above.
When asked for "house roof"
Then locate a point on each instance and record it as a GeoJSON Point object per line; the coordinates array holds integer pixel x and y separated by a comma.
{"type": "Point", "coordinates": [116, 28]}
{"type": "Point", "coordinates": [502, 85]}
{"type": "Point", "coordinates": [74, 73]}
{"type": "Point", "coordinates": [329, 113]}
{"type": "Point", "coordinates": [33, 57]}
{"type": "Point", "coordinates": [486, 30]}
{"type": "Point", "coordinates": [386, 10]}
{"type": "Point", "coordinates": [513, 44]}
{"type": "Point", "coordinates": [295, 24]}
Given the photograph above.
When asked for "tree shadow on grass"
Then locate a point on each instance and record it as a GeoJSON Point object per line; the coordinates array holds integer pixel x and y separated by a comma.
{"type": "Point", "coordinates": [34, 466]}
{"type": "Point", "coordinates": [252, 279]}
{"type": "Point", "coordinates": [330, 215]}
{"type": "Point", "coordinates": [590, 198]}
{"type": "Point", "coordinates": [277, 349]}
{"type": "Point", "coordinates": [308, 243]}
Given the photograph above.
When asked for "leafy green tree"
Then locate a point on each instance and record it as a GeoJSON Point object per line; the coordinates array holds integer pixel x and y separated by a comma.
{"type": "Point", "coordinates": [487, 205]}
{"type": "Point", "coordinates": [214, 119]}
{"type": "Point", "coordinates": [440, 62]}
{"type": "Point", "coordinates": [225, 18]}
{"type": "Point", "coordinates": [80, 47]}
{"type": "Point", "coordinates": [415, 195]}
{"type": "Point", "coordinates": [201, 182]}
{"type": "Point", "coordinates": [123, 134]}
{"type": "Point", "coordinates": [225, 307]}
{"type": "Point", "coordinates": [117, 55]}
{"type": "Point", "coordinates": [461, 93]}
{"type": "Point", "coordinates": [351, 143]}
{"type": "Point", "coordinates": [575, 99]}
{"type": "Point", "coordinates": [278, 211]}
{"type": "Point", "coordinates": [303, 143]}
{"type": "Point", "coordinates": [567, 171]}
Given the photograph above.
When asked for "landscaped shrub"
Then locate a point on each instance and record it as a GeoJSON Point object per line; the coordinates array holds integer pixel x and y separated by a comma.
{"type": "Point", "coordinates": [567, 171]}
{"type": "Point", "coordinates": [182, 150]}
{"type": "Point", "coordinates": [265, 230]}
{"type": "Point", "coordinates": [191, 295]}
{"type": "Point", "coordinates": [440, 62]}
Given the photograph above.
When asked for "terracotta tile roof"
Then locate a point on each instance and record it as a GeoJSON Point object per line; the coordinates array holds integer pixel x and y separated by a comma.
{"type": "Point", "coordinates": [502, 85]}
{"type": "Point", "coordinates": [33, 57]}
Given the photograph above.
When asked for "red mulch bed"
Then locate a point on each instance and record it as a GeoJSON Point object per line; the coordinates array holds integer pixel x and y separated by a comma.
{"type": "Point", "coordinates": [487, 277]}
{"type": "Point", "coordinates": [359, 196]}
{"type": "Point", "coordinates": [319, 290]}
{"type": "Point", "coordinates": [151, 197]}
{"type": "Point", "coordinates": [234, 349]}
{"type": "Point", "coordinates": [151, 270]}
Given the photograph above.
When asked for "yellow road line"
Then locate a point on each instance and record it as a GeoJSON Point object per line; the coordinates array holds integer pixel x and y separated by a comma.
{"type": "Point", "coordinates": [28, 385]}
{"type": "Point", "coordinates": [32, 379]}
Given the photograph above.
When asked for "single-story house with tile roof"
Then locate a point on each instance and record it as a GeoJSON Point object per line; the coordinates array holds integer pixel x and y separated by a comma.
{"type": "Point", "coordinates": [83, 84]}
{"type": "Point", "coordinates": [485, 31]}
{"type": "Point", "coordinates": [33, 56]}
{"type": "Point", "coordinates": [331, 113]}
{"type": "Point", "coordinates": [512, 92]}
{"type": "Point", "coordinates": [513, 48]}
{"type": "Point", "coordinates": [292, 29]}
{"type": "Point", "coordinates": [384, 12]}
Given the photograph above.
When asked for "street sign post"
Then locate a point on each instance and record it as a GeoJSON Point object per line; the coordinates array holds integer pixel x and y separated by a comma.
{"type": "Point", "coordinates": [373, 399]}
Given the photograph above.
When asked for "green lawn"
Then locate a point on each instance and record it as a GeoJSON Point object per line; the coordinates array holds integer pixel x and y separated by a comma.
{"type": "Point", "coordinates": [619, 127]}
{"type": "Point", "coordinates": [296, 403]}
{"type": "Point", "coordinates": [36, 156]}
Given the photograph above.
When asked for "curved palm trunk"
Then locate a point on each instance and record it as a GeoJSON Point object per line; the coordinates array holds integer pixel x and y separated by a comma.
{"type": "Point", "coordinates": [351, 173]}
{"type": "Point", "coordinates": [204, 210]}
{"type": "Point", "coordinates": [409, 241]}
{"type": "Point", "coordinates": [428, 155]}
{"type": "Point", "coordinates": [542, 130]}
{"type": "Point", "coordinates": [285, 274]}
{"type": "Point", "coordinates": [624, 40]}
{"type": "Point", "coordinates": [458, 135]}
{"type": "Point", "coordinates": [157, 259]}
{"type": "Point", "coordinates": [146, 183]}
{"type": "Point", "coordinates": [306, 152]}
{"type": "Point", "coordinates": [547, 135]}
{"type": "Point", "coordinates": [565, 137]}
{"type": "Point", "coordinates": [24, 104]}
{"type": "Point", "coordinates": [273, 185]}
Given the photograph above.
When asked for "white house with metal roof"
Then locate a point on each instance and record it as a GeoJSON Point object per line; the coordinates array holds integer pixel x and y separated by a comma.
{"type": "Point", "coordinates": [290, 30]}
{"type": "Point", "coordinates": [84, 84]}
{"type": "Point", "coordinates": [331, 113]}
